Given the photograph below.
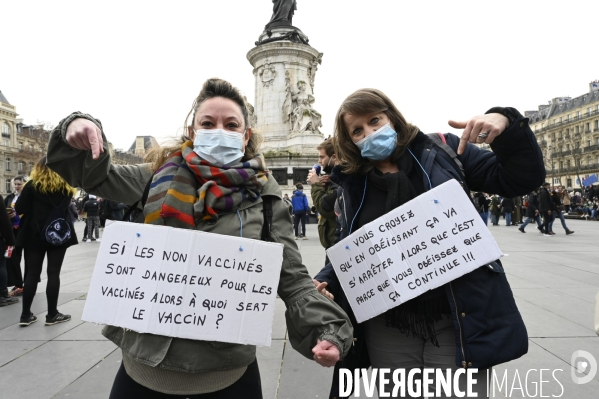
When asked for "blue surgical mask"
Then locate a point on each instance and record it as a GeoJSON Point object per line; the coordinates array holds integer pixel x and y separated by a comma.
{"type": "Point", "coordinates": [379, 145]}
{"type": "Point", "coordinates": [219, 147]}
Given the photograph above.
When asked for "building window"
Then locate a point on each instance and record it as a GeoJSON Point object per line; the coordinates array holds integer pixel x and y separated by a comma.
{"type": "Point", "coordinates": [588, 127]}
{"type": "Point", "coordinates": [588, 143]}
{"type": "Point", "coordinates": [30, 167]}
{"type": "Point", "coordinates": [5, 143]}
{"type": "Point", "coordinates": [569, 118]}
{"type": "Point", "coordinates": [561, 164]}
{"type": "Point", "coordinates": [553, 136]}
{"type": "Point", "coordinates": [578, 114]}
{"type": "Point", "coordinates": [20, 167]}
{"type": "Point", "coordinates": [20, 146]}
{"type": "Point", "coordinates": [568, 163]}
{"type": "Point", "coordinates": [7, 186]}
{"type": "Point", "coordinates": [5, 130]}
{"type": "Point", "coordinates": [597, 124]}
{"type": "Point", "coordinates": [577, 129]}
{"type": "Point", "coordinates": [8, 164]}
{"type": "Point", "coordinates": [569, 182]}
{"type": "Point", "coordinates": [577, 144]}
{"type": "Point", "coordinates": [567, 147]}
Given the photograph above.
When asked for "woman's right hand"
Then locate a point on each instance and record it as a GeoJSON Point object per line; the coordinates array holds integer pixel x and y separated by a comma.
{"type": "Point", "coordinates": [321, 287]}
{"type": "Point", "coordinates": [83, 134]}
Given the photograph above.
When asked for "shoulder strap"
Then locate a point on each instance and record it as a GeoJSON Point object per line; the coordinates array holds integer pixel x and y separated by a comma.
{"type": "Point", "coordinates": [439, 139]}
{"type": "Point", "coordinates": [143, 199]}
{"type": "Point", "coordinates": [267, 211]}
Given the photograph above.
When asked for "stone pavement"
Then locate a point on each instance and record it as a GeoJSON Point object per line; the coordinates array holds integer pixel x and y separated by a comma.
{"type": "Point", "coordinates": [554, 279]}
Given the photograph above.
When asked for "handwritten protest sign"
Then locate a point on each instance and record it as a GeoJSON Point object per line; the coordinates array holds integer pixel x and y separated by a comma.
{"type": "Point", "coordinates": [423, 244]}
{"type": "Point", "coordinates": [185, 283]}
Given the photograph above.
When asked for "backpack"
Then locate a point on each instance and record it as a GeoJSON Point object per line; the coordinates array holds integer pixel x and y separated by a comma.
{"type": "Point", "coordinates": [134, 212]}
{"type": "Point", "coordinates": [57, 230]}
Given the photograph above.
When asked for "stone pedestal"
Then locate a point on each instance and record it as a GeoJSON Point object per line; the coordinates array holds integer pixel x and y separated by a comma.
{"type": "Point", "coordinates": [284, 74]}
{"type": "Point", "coordinates": [284, 85]}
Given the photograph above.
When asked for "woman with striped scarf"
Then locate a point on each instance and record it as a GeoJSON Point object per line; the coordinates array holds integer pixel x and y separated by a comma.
{"type": "Point", "coordinates": [214, 180]}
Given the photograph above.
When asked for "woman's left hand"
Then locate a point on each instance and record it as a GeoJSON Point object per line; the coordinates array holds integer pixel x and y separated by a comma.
{"type": "Point", "coordinates": [326, 353]}
{"type": "Point", "coordinates": [491, 124]}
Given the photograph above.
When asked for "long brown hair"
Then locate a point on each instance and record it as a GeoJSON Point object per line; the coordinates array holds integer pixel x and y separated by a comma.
{"type": "Point", "coordinates": [212, 88]}
{"type": "Point", "coordinates": [366, 102]}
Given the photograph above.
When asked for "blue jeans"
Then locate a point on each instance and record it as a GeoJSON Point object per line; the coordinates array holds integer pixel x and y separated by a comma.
{"type": "Point", "coordinates": [485, 217]}
{"type": "Point", "coordinates": [495, 219]}
{"type": "Point", "coordinates": [508, 218]}
{"type": "Point", "coordinates": [537, 219]}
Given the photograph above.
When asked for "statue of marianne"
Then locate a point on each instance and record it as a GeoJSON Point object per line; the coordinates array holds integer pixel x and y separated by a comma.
{"type": "Point", "coordinates": [282, 12]}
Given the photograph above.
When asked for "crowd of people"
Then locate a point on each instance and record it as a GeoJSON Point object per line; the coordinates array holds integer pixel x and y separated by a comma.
{"type": "Point", "coordinates": [214, 179]}
{"type": "Point", "coordinates": [542, 206]}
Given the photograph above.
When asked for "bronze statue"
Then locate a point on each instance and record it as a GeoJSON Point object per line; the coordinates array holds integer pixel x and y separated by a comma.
{"type": "Point", "coordinates": [282, 13]}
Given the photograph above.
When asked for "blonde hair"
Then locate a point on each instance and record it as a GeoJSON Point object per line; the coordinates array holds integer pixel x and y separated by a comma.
{"type": "Point", "coordinates": [212, 88]}
{"type": "Point", "coordinates": [47, 181]}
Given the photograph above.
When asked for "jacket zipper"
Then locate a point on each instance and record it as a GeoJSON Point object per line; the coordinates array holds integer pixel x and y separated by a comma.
{"type": "Point", "coordinates": [464, 364]}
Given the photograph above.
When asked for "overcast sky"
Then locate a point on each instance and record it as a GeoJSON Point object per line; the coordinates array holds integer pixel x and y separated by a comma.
{"type": "Point", "coordinates": [138, 65]}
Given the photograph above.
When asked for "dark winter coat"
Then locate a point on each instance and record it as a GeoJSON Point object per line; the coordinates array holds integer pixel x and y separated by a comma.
{"type": "Point", "coordinates": [92, 207]}
{"type": "Point", "coordinates": [507, 205]}
{"type": "Point", "coordinates": [36, 207]}
{"type": "Point", "coordinates": [533, 206]}
{"type": "Point", "coordinates": [488, 326]}
{"type": "Point", "coordinates": [545, 202]}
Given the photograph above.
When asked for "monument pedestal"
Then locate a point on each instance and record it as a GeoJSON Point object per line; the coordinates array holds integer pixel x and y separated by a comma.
{"type": "Point", "coordinates": [284, 74]}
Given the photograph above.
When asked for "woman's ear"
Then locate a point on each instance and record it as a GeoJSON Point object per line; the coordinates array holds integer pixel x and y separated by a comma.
{"type": "Point", "coordinates": [247, 135]}
{"type": "Point", "coordinates": [191, 133]}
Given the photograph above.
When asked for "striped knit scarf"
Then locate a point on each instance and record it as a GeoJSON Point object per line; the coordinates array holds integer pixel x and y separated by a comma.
{"type": "Point", "coordinates": [187, 189]}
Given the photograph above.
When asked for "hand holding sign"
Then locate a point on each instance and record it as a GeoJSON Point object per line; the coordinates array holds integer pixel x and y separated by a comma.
{"type": "Point", "coordinates": [185, 283]}
{"type": "Point", "coordinates": [423, 244]}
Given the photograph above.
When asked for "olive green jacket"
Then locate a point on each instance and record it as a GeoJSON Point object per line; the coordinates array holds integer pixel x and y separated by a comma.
{"type": "Point", "coordinates": [310, 316]}
{"type": "Point", "coordinates": [327, 223]}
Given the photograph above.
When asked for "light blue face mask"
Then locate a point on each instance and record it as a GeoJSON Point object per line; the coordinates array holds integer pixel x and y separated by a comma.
{"type": "Point", "coordinates": [379, 145]}
{"type": "Point", "coordinates": [219, 147]}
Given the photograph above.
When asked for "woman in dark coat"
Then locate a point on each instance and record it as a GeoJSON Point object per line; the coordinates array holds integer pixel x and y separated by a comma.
{"type": "Point", "coordinates": [44, 192]}
{"type": "Point", "coordinates": [386, 162]}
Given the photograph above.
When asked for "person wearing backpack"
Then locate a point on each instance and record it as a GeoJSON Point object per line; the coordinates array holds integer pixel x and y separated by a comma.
{"type": "Point", "coordinates": [92, 208]}
{"type": "Point", "coordinates": [472, 321]}
{"type": "Point", "coordinates": [45, 230]}
{"type": "Point", "coordinates": [213, 180]}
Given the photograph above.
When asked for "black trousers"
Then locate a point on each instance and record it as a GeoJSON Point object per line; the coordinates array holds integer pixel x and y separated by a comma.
{"type": "Point", "coordinates": [297, 218]}
{"type": "Point", "coordinates": [247, 387]}
{"type": "Point", "coordinates": [34, 258]}
{"type": "Point", "coordinates": [546, 220]}
{"type": "Point", "coordinates": [13, 265]}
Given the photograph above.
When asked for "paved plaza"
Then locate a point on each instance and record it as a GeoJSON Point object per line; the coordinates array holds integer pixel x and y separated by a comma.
{"type": "Point", "coordinates": [555, 280]}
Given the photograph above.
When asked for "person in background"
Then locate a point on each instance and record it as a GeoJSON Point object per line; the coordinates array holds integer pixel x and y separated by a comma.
{"type": "Point", "coordinates": [92, 208]}
{"type": "Point", "coordinates": [13, 264]}
{"type": "Point", "coordinates": [495, 209]}
{"type": "Point", "coordinates": [300, 211]}
{"type": "Point", "coordinates": [508, 207]}
{"type": "Point", "coordinates": [73, 214]}
{"type": "Point", "coordinates": [565, 199]}
{"type": "Point", "coordinates": [7, 239]}
{"type": "Point", "coordinates": [44, 192]}
{"type": "Point", "coordinates": [558, 212]}
{"type": "Point", "coordinates": [517, 201]}
{"type": "Point", "coordinates": [546, 207]}
{"type": "Point", "coordinates": [482, 203]}
{"type": "Point", "coordinates": [113, 210]}
{"type": "Point", "coordinates": [324, 194]}
{"type": "Point", "coordinates": [532, 212]}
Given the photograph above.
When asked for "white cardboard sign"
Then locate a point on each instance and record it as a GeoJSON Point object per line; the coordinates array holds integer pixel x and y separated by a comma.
{"type": "Point", "coordinates": [423, 244]}
{"type": "Point", "coordinates": [185, 283]}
